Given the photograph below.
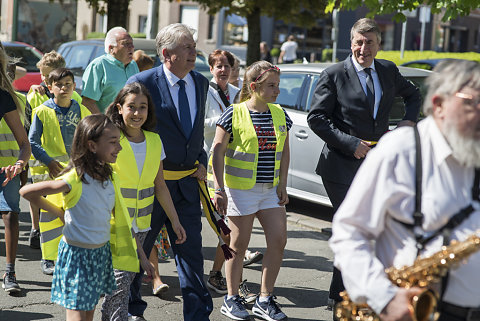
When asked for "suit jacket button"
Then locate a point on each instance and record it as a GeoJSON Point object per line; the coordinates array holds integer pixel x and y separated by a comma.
{"type": "Point", "coordinates": [181, 164]}
{"type": "Point", "coordinates": [188, 146]}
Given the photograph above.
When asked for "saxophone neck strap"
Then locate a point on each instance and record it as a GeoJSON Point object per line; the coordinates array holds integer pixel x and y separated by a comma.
{"type": "Point", "coordinates": [418, 217]}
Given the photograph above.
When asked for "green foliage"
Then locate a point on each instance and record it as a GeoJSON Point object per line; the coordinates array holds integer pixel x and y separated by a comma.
{"type": "Point", "coordinates": [422, 55]}
{"type": "Point", "coordinates": [275, 52]}
{"type": "Point", "coordinates": [95, 35]}
{"type": "Point", "coordinates": [450, 9]}
{"type": "Point", "coordinates": [138, 35]}
{"type": "Point", "coordinates": [327, 55]}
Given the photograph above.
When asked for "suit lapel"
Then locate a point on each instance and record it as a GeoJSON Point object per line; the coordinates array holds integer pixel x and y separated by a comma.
{"type": "Point", "coordinates": [200, 99]}
{"type": "Point", "coordinates": [382, 73]}
{"type": "Point", "coordinates": [164, 90]}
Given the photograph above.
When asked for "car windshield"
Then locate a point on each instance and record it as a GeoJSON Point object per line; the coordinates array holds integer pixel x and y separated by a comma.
{"type": "Point", "coordinates": [28, 57]}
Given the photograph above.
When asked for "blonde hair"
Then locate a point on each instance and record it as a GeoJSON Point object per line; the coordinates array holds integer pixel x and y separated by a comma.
{"type": "Point", "coordinates": [5, 80]}
{"type": "Point", "coordinates": [51, 59]}
{"type": "Point", "coordinates": [257, 72]}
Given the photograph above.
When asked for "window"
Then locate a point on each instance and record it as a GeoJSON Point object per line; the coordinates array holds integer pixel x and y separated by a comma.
{"type": "Point", "coordinates": [290, 89]}
{"type": "Point", "coordinates": [398, 108]}
{"type": "Point", "coordinates": [235, 31]}
{"type": "Point", "coordinates": [142, 24]}
{"type": "Point", "coordinates": [189, 17]}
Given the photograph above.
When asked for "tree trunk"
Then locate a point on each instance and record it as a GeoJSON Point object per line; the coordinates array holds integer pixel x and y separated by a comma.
{"type": "Point", "coordinates": [117, 13]}
{"type": "Point", "coordinates": [254, 35]}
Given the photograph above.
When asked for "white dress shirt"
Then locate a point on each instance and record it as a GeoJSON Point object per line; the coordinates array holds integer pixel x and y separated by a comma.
{"type": "Point", "coordinates": [362, 76]}
{"type": "Point", "coordinates": [366, 239]}
{"type": "Point", "coordinates": [189, 89]}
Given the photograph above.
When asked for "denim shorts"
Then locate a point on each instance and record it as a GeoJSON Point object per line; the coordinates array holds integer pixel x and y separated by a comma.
{"type": "Point", "coordinates": [245, 202]}
{"type": "Point", "coordinates": [9, 196]}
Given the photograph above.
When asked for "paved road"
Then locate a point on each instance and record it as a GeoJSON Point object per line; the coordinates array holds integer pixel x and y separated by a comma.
{"type": "Point", "coordinates": [301, 289]}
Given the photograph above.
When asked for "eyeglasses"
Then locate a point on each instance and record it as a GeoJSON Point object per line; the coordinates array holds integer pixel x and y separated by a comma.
{"type": "Point", "coordinates": [272, 68]}
{"type": "Point", "coordinates": [472, 101]}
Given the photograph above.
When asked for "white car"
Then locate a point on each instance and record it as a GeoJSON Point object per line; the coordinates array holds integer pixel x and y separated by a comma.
{"type": "Point", "coordinates": [297, 85]}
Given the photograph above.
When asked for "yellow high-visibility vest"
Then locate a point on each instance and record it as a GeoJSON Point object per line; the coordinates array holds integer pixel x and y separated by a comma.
{"type": "Point", "coordinates": [122, 241]}
{"type": "Point", "coordinates": [9, 150]}
{"type": "Point", "coordinates": [35, 99]}
{"type": "Point", "coordinates": [241, 157]}
{"type": "Point", "coordinates": [52, 141]}
{"type": "Point", "coordinates": [139, 191]}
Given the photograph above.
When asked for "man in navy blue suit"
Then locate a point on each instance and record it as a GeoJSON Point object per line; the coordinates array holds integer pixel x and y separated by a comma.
{"type": "Point", "coordinates": [179, 94]}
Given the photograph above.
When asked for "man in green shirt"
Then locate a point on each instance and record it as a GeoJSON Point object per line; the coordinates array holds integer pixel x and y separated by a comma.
{"type": "Point", "coordinates": [107, 74]}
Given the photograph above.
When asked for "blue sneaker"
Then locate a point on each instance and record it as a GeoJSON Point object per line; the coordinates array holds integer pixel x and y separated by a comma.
{"type": "Point", "coordinates": [269, 310]}
{"type": "Point", "coordinates": [234, 308]}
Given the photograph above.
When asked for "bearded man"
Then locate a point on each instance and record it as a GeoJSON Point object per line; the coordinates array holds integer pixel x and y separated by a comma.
{"type": "Point", "coordinates": [379, 225]}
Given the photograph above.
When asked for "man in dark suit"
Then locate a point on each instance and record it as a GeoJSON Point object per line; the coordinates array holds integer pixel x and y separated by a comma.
{"type": "Point", "coordinates": [179, 94]}
{"type": "Point", "coordinates": [350, 112]}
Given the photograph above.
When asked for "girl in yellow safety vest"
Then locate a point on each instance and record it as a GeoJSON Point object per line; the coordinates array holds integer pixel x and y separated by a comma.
{"type": "Point", "coordinates": [139, 167]}
{"type": "Point", "coordinates": [97, 235]}
{"type": "Point", "coordinates": [251, 156]}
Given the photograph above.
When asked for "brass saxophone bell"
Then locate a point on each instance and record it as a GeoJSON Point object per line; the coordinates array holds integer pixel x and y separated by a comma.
{"type": "Point", "coordinates": [424, 306]}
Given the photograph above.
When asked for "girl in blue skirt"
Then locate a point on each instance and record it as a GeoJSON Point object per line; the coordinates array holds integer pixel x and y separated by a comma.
{"type": "Point", "coordinates": [92, 209]}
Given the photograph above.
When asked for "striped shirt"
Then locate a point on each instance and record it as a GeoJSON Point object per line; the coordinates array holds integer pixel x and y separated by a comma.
{"type": "Point", "coordinates": [267, 142]}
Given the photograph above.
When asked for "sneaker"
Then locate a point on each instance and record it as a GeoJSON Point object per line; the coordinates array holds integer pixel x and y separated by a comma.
{"type": "Point", "coordinates": [34, 239]}
{"type": "Point", "coordinates": [10, 282]}
{"type": "Point", "coordinates": [252, 257]}
{"type": "Point", "coordinates": [234, 308]}
{"type": "Point", "coordinates": [245, 292]}
{"type": "Point", "coordinates": [269, 310]}
{"type": "Point", "coordinates": [136, 318]}
{"type": "Point", "coordinates": [47, 266]}
{"type": "Point", "coordinates": [217, 282]}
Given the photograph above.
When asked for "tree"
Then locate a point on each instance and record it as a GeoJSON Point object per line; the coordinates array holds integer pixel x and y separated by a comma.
{"type": "Point", "coordinates": [116, 11]}
{"type": "Point", "coordinates": [451, 9]}
{"type": "Point", "coordinates": [301, 12]}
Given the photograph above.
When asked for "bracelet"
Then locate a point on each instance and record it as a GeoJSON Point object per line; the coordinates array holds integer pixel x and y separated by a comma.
{"type": "Point", "coordinates": [221, 189]}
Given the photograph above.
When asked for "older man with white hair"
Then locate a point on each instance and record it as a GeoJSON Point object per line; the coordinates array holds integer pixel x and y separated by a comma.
{"type": "Point", "coordinates": [392, 214]}
{"type": "Point", "coordinates": [106, 75]}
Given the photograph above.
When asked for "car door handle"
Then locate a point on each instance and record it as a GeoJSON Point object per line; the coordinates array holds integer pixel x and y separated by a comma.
{"type": "Point", "coordinates": [301, 134]}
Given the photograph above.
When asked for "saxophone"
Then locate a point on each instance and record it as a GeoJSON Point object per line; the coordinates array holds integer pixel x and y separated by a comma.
{"type": "Point", "coordinates": [422, 273]}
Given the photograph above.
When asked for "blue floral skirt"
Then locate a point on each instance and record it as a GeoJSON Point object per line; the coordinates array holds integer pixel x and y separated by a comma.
{"type": "Point", "coordinates": [81, 276]}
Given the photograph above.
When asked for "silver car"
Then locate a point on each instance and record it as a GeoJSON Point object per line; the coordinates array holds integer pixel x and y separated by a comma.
{"type": "Point", "coordinates": [297, 85]}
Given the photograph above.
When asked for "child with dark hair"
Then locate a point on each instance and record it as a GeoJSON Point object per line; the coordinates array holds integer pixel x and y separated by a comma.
{"type": "Point", "coordinates": [51, 133]}
{"type": "Point", "coordinates": [140, 170]}
{"type": "Point", "coordinates": [97, 235]}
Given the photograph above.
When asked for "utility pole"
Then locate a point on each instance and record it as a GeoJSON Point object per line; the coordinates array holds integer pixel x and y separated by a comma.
{"type": "Point", "coordinates": [334, 34]}
{"type": "Point", "coordinates": [152, 19]}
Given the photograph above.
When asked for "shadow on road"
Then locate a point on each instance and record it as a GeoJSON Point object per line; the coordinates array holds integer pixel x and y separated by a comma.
{"type": "Point", "coordinates": [23, 316]}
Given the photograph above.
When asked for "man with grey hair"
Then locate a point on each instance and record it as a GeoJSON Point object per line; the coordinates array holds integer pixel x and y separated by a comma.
{"type": "Point", "coordinates": [350, 112]}
{"type": "Point", "coordinates": [379, 224]}
{"type": "Point", "coordinates": [106, 75]}
{"type": "Point", "coordinates": [179, 94]}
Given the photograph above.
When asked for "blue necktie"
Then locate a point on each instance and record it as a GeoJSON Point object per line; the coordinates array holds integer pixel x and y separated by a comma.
{"type": "Point", "coordinates": [370, 90]}
{"type": "Point", "coordinates": [185, 118]}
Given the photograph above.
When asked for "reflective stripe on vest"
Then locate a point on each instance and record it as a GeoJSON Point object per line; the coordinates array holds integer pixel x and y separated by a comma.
{"type": "Point", "coordinates": [51, 228]}
{"type": "Point", "coordinates": [137, 190]}
{"type": "Point", "coordinates": [9, 150]}
{"type": "Point", "coordinates": [241, 156]}
{"type": "Point", "coordinates": [52, 140]}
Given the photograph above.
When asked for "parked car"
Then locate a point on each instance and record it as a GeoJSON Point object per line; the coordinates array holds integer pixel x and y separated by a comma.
{"type": "Point", "coordinates": [297, 85]}
{"type": "Point", "coordinates": [29, 56]}
{"type": "Point", "coordinates": [78, 54]}
{"type": "Point", "coordinates": [427, 64]}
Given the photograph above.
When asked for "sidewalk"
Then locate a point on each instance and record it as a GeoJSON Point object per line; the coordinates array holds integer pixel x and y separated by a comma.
{"type": "Point", "coordinates": [301, 288]}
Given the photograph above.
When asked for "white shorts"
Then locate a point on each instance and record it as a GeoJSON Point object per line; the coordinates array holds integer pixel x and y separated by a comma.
{"type": "Point", "coordinates": [249, 201]}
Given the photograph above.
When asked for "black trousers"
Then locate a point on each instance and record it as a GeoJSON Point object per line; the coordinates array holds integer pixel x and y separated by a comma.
{"type": "Point", "coordinates": [336, 192]}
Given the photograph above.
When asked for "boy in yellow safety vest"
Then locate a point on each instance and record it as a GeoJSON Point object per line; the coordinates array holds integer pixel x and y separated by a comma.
{"type": "Point", "coordinates": [36, 96]}
{"type": "Point", "coordinates": [51, 134]}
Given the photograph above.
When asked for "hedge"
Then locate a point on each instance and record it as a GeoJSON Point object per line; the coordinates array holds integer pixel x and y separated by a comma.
{"type": "Point", "coordinates": [411, 55]}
